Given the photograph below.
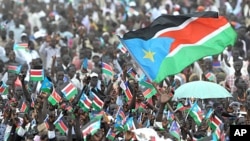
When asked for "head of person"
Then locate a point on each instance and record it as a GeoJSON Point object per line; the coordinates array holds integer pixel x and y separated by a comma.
{"type": "Point", "coordinates": [66, 59]}
{"type": "Point", "coordinates": [93, 79]}
{"type": "Point", "coordinates": [24, 37]}
{"type": "Point", "coordinates": [72, 71]}
{"type": "Point", "coordinates": [31, 45]}
{"type": "Point", "coordinates": [238, 65]}
{"type": "Point", "coordinates": [12, 56]}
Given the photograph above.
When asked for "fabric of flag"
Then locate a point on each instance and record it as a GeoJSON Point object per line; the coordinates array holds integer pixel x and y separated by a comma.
{"type": "Point", "coordinates": [175, 130]}
{"type": "Point", "coordinates": [14, 69]}
{"type": "Point", "coordinates": [54, 98]}
{"type": "Point", "coordinates": [216, 135]}
{"type": "Point", "coordinates": [97, 103]}
{"type": "Point", "coordinates": [46, 85]}
{"type": "Point", "coordinates": [132, 73]}
{"type": "Point", "coordinates": [85, 103]}
{"type": "Point", "coordinates": [167, 42]}
{"type": "Point", "coordinates": [209, 113]}
{"type": "Point", "coordinates": [122, 48]}
{"type": "Point", "coordinates": [36, 74]}
{"type": "Point", "coordinates": [4, 89]}
{"type": "Point", "coordinates": [96, 115]}
{"type": "Point", "coordinates": [61, 126]}
{"type": "Point", "coordinates": [196, 113]}
{"type": "Point", "coordinates": [149, 93]}
{"type": "Point", "coordinates": [69, 91]}
{"type": "Point", "coordinates": [145, 81]}
{"type": "Point", "coordinates": [170, 116]}
{"type": "Point", "coordinates": [46, 122]}
{"type": "Point", "coordinates": [129, 125]}
{"type": "Point", "coordinates": [91, 128]}
{"type": "Point", "coordinates": [126, 90]}
{"type": "Point", "coordinates": [215, 122]}
{"type": "Point", "coordinates": [24, 107]}
{"type": "Point", "coordinates": [140, 106]}
{"type": "Point", "coordinates": [181, 107]}
{"type": "Point", "coordinates": [20, 46]}
{"type": "Point", "coordinates": [107, 69]}
{"type": "Point", "coordinates": [111, 135]}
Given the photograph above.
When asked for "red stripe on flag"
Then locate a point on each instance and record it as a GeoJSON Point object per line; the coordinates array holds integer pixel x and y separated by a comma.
{"type": "Point", "coordinates": [2, 89]}
{"type": "Point", "coordinates": [68, 88]}
{"type": "Point", "coordinates": [190, 34]}
{"type": "Point", "coordinates": [36, 72]}
{"type": "Point", "coordinates": [98, 100]}
{"type": "Point", "coordinates": [87, 102]}
{"type": "Point", "coordinates": [12, 68]}
{"type": "Point", "coordinates": [63, 126]}
{"type": "Point", "coordinates": [128, 94]}
{"type": "Point", "coordinates": [56, 96]}
{"type": "Point", "coordinates": [107, 66]}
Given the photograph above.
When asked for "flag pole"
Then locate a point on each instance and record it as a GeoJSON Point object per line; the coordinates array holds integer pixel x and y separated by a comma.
{"type": "Point", "coordinates": [168, 105]}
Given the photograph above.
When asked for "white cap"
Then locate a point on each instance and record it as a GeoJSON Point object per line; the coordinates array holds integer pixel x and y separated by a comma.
{"type": "Point", "coordinates": [93, 74]}
{"type": "Point", "coordinates": [23, 34]}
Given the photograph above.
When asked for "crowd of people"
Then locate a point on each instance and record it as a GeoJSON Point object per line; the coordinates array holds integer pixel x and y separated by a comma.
{"type": "Point", "coordinates": [66, 77]}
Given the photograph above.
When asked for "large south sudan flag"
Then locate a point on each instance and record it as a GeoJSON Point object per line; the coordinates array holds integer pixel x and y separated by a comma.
{"type": "Point", "coordinates": [172, 43]}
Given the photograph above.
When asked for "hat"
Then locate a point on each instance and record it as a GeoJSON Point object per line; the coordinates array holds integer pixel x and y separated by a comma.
{"type": "Point", "coordinates": [93, 74]}
{"type": "Point", "coordinates": [24, 34]}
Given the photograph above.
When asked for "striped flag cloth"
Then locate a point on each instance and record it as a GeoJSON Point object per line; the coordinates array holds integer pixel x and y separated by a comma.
{"type": "Point", "coordinates": [97, 103]}
{"type": "Point", "coordinates": [145, 81]}
{"type": "Point", "coordinates": [36, 74]}
{"type": "Point", "coordinates": [196, 113]}
{"type": "Point", "coordinates": [54, 98]}
{"type": "Point", "coordinates": [209, 113]}
{"type": "Point", "coordinates": [132, 73]}
{"type": "Point", "coordinates": [111, 135]}
{"type": "Point", "coordinates": [4, 88]}
{"type": "Point", "coordinates": [20, 46]}
{"type": "Point", "coordinates": [126, 90]}
{"type": "Point", "coordinates": [60, 125]}
{"type": "Point", "coordinates": [85, 103]}
{"type": "Point", "coordinates": [69, 91]}
{"type": "Point", "coordinates": [215, 122]}
{"type": "Point", "coordinates": [14, 69]}
{"type": "Point", "coordinates": [46, 121]}
{"type": "Point", "coordinates": [24, 107]}
{"type": "Point", "coordinates": [107, 69]}
{"type": "Point", "coordinates": [122, 48]}
{"type": "Point", "coordinates": [129, 125]}
{"type": "Point", "coordinates": [91, 128]}
{"type": "Point", "coordinates": [175, 130]}
{"type": "Point", "coordinates": [149, 93]}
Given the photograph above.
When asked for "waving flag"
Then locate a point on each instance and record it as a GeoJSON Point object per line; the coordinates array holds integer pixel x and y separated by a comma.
{"type": "Point", "coordinates": [24, 107]}
{"type": "Point", "coordinates": [196, 113]}
{"type": "Point", "coordinates": [175, 130]}
{"type": "Point", "coordinates": [20, 46]}
{"type": "Point", "coordinates": [126, 90]}
{"type": "Point", "coordinates": [46, 85]}
{"type": "Point", "coordinates": [4, 88]}
{"type": "Point", "coordinates": [54, 98]}
{"type": "Point", "coordinates": [209, 113]}
{"type": "Point", "coordinates": [122, 48]}
{"type": "Point", "coordinates": [166, 46]}
{"type": "Point", "coordinates": [60, 125]}
{"type": "Point", "coordinates": [132, 73]}
{"type": "Point", "coordinates": [129, 125]}
{"type": "Point", "coordinates": [85, 103]}
{"type": "Point", "coordinates": [91, 128]}
{"type": "Point", "coordinates": [215, 122]}
{"type": "Point", "coordinates": [107, 69]}
{"type": "Point", "coordinates": [111, 135]}
{"type": "Point", "coordinates": [97, 103]}
{"type": "Point", "coordinates": [36, 74]}
{"type": "Point", "coordinates": [69, 91]}
{"type": "Point", "coordinates": [14, 69]}
{"type": "Point", "coordinates": [149, 93]}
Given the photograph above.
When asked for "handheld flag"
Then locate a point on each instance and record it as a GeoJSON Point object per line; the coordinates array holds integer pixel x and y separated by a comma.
{"type": "Point", "coordinates": [14, 69]}
{"type": "Point", "coordinates": [4, 88]}
{"type": "Point", "coordinates": [107, 69]}
{"type": "Point", "coordinates": [60, 125]}
{"type": "Point", "coordinates": [175, 130]}
{"type": "Point", "coordinates": [196, 113]}
{"type": "Point", "coordinates": [167, 42]}
{"type": "Point", "coordinates": [20, 46]}
{"type": "Point", "coordinates": [85, 103]}
{"type": "Point", "coordinates": [46, 85]}
{"type": "Point", "coordinates": [54, 98]}
{"type": "Point", "coordinates": [36, 74]}
{"type": "Point", "coordinates": [69, 91]}
{"type": "Point", "coordinates": [126, 90]}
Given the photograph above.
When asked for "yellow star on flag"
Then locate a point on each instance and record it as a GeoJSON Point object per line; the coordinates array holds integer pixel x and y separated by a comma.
{"type": "Point", "coordinates": [149, 55]}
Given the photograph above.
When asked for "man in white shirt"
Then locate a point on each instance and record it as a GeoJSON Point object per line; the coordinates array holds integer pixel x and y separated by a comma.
{"type": "Point", "coordinates": [49, 49]}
